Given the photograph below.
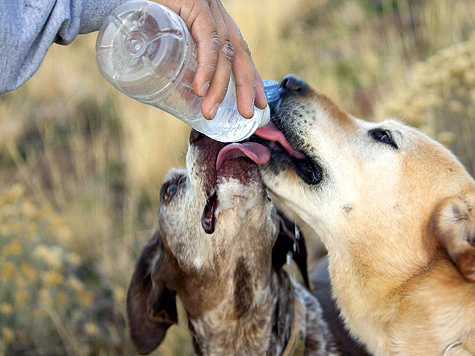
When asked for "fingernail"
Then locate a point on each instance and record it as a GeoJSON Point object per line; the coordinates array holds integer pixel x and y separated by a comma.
{"type": "Point", "coordinates": [204, 88]}
{"type": "Point", "coordinates": [214, 110]}
{"type": "Point", "coordinates": [265, 105]}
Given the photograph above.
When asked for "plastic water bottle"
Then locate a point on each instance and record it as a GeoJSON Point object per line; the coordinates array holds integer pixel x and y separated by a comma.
{"type": "Point", "coordinates": [144, 49]}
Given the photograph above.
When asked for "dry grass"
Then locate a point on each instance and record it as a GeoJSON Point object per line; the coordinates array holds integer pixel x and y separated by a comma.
{"type": "Point", "coordinates": [97, 158]}
{"type": "Point", "coordinates": [440, 100]}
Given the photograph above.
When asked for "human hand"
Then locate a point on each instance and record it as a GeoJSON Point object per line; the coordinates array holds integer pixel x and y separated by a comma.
{"type": "Point", "coordinates": [221, 48]}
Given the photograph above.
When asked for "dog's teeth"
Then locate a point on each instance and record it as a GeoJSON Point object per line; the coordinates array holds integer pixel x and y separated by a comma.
{"type": "Point", "coordinates": [289, 257]}
{"type": "Point", "coordinates": [297, 232]}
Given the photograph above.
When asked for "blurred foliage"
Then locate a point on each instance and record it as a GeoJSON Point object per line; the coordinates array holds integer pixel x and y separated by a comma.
{"type": "Point", "coordinates": [357, 52]}
{"type": "Point", "coordinates": [44, 301]}
{"type": "Point", "coordinates": [51, 303]}
{"type": "Point", "coordinates": [83, 163]}
{"type": "Point", "coordinates": [440, 99]}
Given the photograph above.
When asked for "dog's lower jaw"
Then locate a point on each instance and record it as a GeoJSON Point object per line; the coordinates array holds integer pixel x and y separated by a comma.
{"type": "Point", "coordinates": [265, 328]}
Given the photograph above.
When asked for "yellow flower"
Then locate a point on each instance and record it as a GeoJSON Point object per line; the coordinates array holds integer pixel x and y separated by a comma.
{"type": "Point", "coordinates": [6, 308]}
{"type": "Point", "coordinates": [64, 233]}
{"type": "Point", "coordinates": [120, 294]}
{"type": "Point", "coordinates": [91, 329]}
{"type": "Point", "coordinates": [74, 259]}
{"type": "Point", "coordinates": [8, 335]}
{"type": "Point", "coordinates": [46, 210]}
{"type": "Point", "coordinates": [62, 297]}
{"type": "Point", "coordinates": [53, 278]}
{"type": "Point", "coordinates": [56, 222]}
{"type": "Point", "coordinates": [51, 256]}
{"type": "Point", "coordinates": [7, 271]}
{"type": "Point", "coordinates": [40, 251]}
{"type": "Point", "coordinates": [12, 194]}
{"type": "Point", "coordinates": [28, 210]}
{"type": "Point", "coordinates": [85, 298]}
{"type": "Point", "coordinates": [28, 271]}
{"type": "Point", "coordinates": [76, 285]}
{"type": "Point", "coordinates": [14, 248]}
{"type": "Point", "coordinates": [21, 296]}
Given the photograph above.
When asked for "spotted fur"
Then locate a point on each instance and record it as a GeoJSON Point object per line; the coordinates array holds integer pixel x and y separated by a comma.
{"type": "Point", "coordinates": [238, 298]}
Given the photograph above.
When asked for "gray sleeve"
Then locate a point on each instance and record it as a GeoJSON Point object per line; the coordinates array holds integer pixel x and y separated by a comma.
{"type": "Point", "coordinates": [29, 27]}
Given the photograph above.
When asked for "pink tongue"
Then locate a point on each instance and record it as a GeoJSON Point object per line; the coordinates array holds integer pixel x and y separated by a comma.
{"type": "Point", "coordinates": [255, 151]}
{"type": "Point", "coordinates": [271, 133]}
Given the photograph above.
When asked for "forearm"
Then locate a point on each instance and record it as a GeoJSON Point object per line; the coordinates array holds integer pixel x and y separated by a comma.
{"type": "Point", "coordinates": [29, 27]}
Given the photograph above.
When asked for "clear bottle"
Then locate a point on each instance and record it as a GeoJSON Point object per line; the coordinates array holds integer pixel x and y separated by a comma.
{"type": "Point", "coordinates": [144, 49]}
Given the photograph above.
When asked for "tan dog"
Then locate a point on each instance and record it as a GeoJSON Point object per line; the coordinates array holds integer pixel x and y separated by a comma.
{"type": "Point", "coordinates": [395, 210]}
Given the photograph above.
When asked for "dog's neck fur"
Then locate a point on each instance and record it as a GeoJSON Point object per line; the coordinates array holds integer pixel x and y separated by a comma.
{"type": "Point", "coordinates": [242, 325]}
{"type": "Point", "coordinates": [362, 312]}
{"type": "Point", "coordinates": [264, 327]}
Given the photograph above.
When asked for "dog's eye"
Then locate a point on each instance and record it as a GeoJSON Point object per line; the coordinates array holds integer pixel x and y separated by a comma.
{"type": "Point", "coordinates": [171, 187]}
{"type": "Point", "coordinates": [383, 136]}
{"type": "Point", "coordinates": [168, 192]}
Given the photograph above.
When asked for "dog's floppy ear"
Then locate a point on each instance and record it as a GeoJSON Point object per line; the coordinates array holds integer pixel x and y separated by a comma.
{"type": "Point", "coordinates": [290, 240]}
{"type": "Point", "coordinates": [454, 228]}
{"type": "Point", "coordinates": [151, 307]}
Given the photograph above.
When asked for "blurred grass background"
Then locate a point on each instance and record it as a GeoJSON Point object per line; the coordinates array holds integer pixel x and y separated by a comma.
{"type": "Point", "coordinates": [81, 164]}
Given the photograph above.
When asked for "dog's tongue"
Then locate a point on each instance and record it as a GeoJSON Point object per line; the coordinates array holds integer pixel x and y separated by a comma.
{"type": "Point", "coordinates": [255, 151]}
{"type": "Point", "coordinates": [271, 133]}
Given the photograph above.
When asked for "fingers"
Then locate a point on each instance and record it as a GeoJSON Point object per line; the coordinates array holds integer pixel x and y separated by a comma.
{"type": "Point", "coordinates": [220, 48]}
{"type": "Point", "coordinates": [220, 78]}
{"type": "Point", "coordinates": [200, 21]}
{"type": "Point", "coordinates": [249, 87]}
{"type": "Point", "coordinates": [260, 99]}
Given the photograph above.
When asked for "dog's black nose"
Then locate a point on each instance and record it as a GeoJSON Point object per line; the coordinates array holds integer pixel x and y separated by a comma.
{"type": "Point", "coordinates": [195, 136]}
{"type": "Point", "coordinates": [293, 83]}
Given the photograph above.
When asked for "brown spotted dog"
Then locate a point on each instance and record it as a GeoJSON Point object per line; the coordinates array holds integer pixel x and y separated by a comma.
{"type": "Point", "coordinates": [214, 249]}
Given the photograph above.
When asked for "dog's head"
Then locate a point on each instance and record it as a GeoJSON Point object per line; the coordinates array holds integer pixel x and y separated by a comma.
{"type": "Point", "coordinates": [380, 187]}
{"type": "Point", "coordinates": [214, 242]}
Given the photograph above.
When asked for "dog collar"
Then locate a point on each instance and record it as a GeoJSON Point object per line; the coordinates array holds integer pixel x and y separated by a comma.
{"type": "Point", "coordinates": [468, 344]}
{"type": "Point", "coordinates": [298, 331]}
